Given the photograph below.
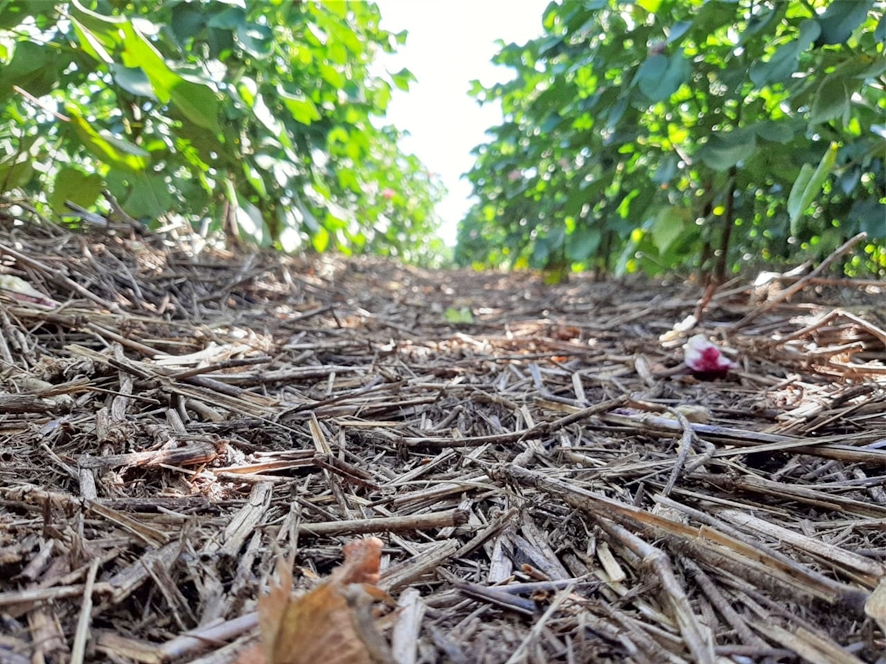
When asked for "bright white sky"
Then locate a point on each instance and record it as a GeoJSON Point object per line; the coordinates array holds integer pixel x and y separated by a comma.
{"type": "Point", "coordinates": [450, 43]}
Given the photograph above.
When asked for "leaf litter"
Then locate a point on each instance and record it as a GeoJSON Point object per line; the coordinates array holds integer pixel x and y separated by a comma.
{"type": "Point", "coordinates": [541, 481]}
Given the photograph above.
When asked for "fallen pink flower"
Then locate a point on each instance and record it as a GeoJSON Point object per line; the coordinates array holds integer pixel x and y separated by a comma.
{"type": "Point", "coordinates": [705, 359]}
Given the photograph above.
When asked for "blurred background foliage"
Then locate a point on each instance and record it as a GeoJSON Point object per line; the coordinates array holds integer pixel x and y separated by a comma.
{"type": "Point", "coordinates": [653, 135]}
{"type": "Point", "coordinates": [685, 134]}
{"type": "Point", "coordinates": [260, 119]}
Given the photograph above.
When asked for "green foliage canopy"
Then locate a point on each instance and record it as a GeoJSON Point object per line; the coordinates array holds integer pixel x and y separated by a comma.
{"type": "Point", "coordinates": [263, 114]}
{"type": "Point", "coordinates": [637, 135]}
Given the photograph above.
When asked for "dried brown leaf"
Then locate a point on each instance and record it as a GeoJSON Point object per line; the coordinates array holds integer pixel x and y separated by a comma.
{"type": "Point", "coordinates": [331, 623]}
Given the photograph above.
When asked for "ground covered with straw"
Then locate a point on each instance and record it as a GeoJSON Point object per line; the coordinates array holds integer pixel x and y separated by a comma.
{"type": "Point", "coordinates": [549, 482]}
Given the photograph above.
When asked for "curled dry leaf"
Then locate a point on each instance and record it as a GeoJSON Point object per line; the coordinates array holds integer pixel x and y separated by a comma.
{"type": "Point", "coordinates": [332, 623]}
{"type": "Point", "coordinates": [705, 359]}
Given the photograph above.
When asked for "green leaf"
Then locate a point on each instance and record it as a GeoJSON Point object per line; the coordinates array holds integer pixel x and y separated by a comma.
{"type": "Point", "coordinates": [139, 52]}
{"type": "Point", "coordinates": [650, 6]}
{"type": "Point", "coordinates": [90, 44]}
{"type": "Point", "coordinates": [710, 17]}
{"type": "Point", "coordinates": [808, 185]}
{"type": "Point", "coordinates": [666, 170]}
{"type": "Point", "coordinates": [320, 240]}
{"type": "Point", "coordinates": [868, 215]}
{"type": "Point", "coordinates": [577, 199]}
{"type": "Point", "coordinates": [849, 179]}
{"type": "Point", "coordinates": [229, 18]}
{"type": "Point", "coordinates": [870, 67]}
{"type": "Point", "coordinates": [337, 7]}
{"type": "Point", "coordinates": [726, 149]}
{"type": "Point", "coordinates": [582, 243]}
{"type": "Point", "coordinates": [616, 113]}
{"type": "Point", "coordinates": [786, 60]}
{"type": "Point", "coordinates": [133, 80]}
{"type": "Point", "coordinates": [248, 89]}
{"type": "Point", "coordinates": [14, 13]}
{"type": "Point", "coordinates": [555, 274]}
{"type": "Point", "coordinates": [677, 31]}
{"type": "Point", "coordinates": [220, 42]}
{"type": "Point", "coordinates": [114, 151]}
{"type": "Point", "coordinates": [541, 252]}
{"type": "Point", "coordinates": [187, 21]}
{"type": "Point", "coordinates": [150, 196]}
{"type": "Point", "coordinates": [832, 100]}
{"type": "Point", "coordinates": [591, 5]}
{"type": "Point", "coordinates": [761, 20]}
{"type": "Point", "coordinates": [303, 110]}
{"type": "Point", "coordinates": [661, 76]}
{"type": "Point", "coordinates": [15, 174]}
{"type": "Point", "coordinates": [840, 19]}
{"type": "Point", "coordinates": [671, 223]}
{"type": "Point", "coordinates": [104, 28]}
{"type": "Point", "coordinates": [402, 79]}
{"type": "Point", "coordinates": [257, 40]}
{"type": "Point", "coordinates": [253, 176]}
{"type": "Point", "coordinates": [331, 75]}
{"type": "Point", "coordinates": [32, 68]}
{"type": "Point", "coordinates": [335, 222]}
{"type": "Point", "coordinates": [454, 316]}
{"type": "Point", "coordinates": [652, 70]}
{"type": "Point", "coordinates": [197, 101]}
{"type": "Point", "coordinates": [551, 123]}
{"type": "Point", "coordinates": [799, 188]}
{"type": "Point", "coordinates": [774, 131]}
{"type": "Point", "coordinates": [73, 184]}
{"type": "Point", "coordinates": [626, 262]}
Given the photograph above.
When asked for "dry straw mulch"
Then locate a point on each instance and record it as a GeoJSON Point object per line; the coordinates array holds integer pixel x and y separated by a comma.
{"type": "Point", "coordinates": [549, 484]}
